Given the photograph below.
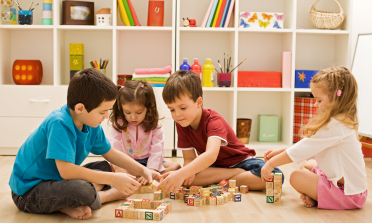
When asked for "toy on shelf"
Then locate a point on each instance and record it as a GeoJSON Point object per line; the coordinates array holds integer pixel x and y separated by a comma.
{"type": "Point", "coordinates": [122, 78]}
{"type": "Point", "coordinates": [186, 22]}
{"type": "Point", "coordinates": [304, 110]}
{"type": "Point", "coordinates": [14, 20]}
{"type": "Point", "coordinates": [268, 128]}
{"type": "Point", "coordinates": [185, 66]}
{"type": "Point", "coordinates": [270, 79]}
{"type": "Point", "coordinates": [76, 58]}
{"type": "Point", "coordinates": [266, 20]}
{"type": "Point", "coordinates": [303, 78]}
{"type": "Point", "coordinates": [243, 129]}
{"type": "Point", "coordinates": [27, 72]}
{"type": "Point", "coordinates": [192, 23]}
{"type": "Point", "coordinates": [7, 16]}
{"type": "Point", "coordinates": [157, 77]}
{"type": "Point", "coordinates": [103, 17]}
{"type": "Point", "coordinates": [47, 18]}
{"type": "Point", "coordinates": [101, 65]}
{"type": "Point", "coordinates": [196, 67]}
{"type": "Point", "coordinates": [25, 17]}
{"type": "Point", "coordinates": [155, 13]}
{"type": "Point", "coordinates": [208, 69]}
{"type": "Point", "coordinates": [274, 189]}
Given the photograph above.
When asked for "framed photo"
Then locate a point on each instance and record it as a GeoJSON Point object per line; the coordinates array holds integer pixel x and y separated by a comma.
{"type": "Point", "coordinates": [77, 13]}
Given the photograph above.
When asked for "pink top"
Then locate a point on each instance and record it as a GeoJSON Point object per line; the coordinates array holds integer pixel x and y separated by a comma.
{"type": "Point", "coordinates": [149, 144]}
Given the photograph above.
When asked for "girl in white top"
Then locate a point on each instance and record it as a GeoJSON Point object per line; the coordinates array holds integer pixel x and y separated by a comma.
{"type": "Point", "coordinates": [337, 177]}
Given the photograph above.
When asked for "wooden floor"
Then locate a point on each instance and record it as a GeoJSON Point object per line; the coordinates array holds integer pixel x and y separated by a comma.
{"type": "Point", "coordinates": [253, 207]}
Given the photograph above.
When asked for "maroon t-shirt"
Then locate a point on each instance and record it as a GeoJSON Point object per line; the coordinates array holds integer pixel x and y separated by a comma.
{"type": "Point", "coordinates": [212, 124]}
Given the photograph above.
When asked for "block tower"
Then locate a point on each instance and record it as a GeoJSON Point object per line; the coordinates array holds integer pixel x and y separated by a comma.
{"type": "Point", "coordinates": [47, 18]}
{"type": "Point", "coordinates": [76, 58]}
{"type": "Point", "coordinates": [274, 189]}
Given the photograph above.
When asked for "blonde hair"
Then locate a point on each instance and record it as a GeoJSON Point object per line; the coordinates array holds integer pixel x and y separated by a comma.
{"type": "Point", "coordinates": [343, 107]}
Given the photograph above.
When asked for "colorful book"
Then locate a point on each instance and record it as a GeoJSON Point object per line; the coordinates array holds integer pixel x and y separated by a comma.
{"type": "Point", "coordinates": [213, 11]}
{"type": "Point", "coordinates": [205, 20]}
{"type": "Point", "coordinates": [225, 13]}
{"type": "Point", "coordinates": [123, 13]}
{"type": "Point", "coordinates": [217, 12]}
{"type": "Point", "coordinates": [135, 19]}
{"type": "Point", "coordinates": [127, 9]}
{"type": "Point", "coordinates": [223, 5]}
{"type": "Point", "coordinates": [229, 13]}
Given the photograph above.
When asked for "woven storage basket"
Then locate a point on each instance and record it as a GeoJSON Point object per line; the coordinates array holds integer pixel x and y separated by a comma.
{"type": "Point", "coordinates": [326, 20]}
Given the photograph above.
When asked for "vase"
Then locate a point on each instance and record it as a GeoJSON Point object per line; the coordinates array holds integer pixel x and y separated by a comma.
{"type": "Point", "coordinates": [243, 129]}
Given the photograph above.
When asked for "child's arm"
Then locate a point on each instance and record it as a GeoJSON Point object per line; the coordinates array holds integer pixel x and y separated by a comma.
{"type": "Point", "coordinates": [133, 167]}
{"type": "Point", "coordinates": [174, 179]}
{"type": "Point", "coordinates": [273, 152]}
{"type": "Point", "coordinates": [188, 157]}
{"type": "Point", "coordinates": [277, 160]}
{"type": "Point", "coordinates": [124, 183]}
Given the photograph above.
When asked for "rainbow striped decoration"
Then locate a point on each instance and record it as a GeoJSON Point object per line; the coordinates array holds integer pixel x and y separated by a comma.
{"type": "Point", "coordinates": [47, 18]}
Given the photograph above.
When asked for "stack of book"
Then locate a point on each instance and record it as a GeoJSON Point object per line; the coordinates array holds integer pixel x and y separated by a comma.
{"type": "Point", "coordinates": [127, 14]}
{"type": "Point", "coordinates": [218, 13]}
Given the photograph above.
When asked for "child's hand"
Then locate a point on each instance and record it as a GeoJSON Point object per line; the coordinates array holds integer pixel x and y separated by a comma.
{"type": "Point", "coordinates": [266, 172]}
{"type": "Point", "coordinates": [189, 180]}
{"type": "Point", "coordinates": [125, 183]}
{"type": "Point", "coordinates": [271, 153]}
{"type": "Point", "coordinates": [148, 175]}
{"type": "Point", "coordinates": [173, 180]}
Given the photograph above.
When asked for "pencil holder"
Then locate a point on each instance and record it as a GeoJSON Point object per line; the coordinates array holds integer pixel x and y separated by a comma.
{"type": "Point", "coordinates": [25, 17]}
{"type": "Point", "coordinates": [224, 79]}
{"type": "Point", "coordinates": [103, 70]}
{"type": "Point", "coordinates": [243, 129]}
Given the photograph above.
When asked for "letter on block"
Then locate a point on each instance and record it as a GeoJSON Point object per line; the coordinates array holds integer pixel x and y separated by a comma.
{"type": "Point", "coordinates": [232, 183]}
{"type": "Point", "coordinates": [237, 197]}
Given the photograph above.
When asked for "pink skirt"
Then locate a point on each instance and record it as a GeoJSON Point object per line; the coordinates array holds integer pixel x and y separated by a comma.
{"type": "Point", "coordinates": [331, 197]}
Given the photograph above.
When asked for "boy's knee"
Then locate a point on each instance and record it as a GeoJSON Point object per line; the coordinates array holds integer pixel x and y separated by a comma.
{"type": "Point", "coordinates": [83, 191]}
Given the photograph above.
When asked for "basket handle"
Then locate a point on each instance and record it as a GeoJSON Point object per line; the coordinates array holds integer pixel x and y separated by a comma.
{"type": "Point", "coordinates": [342, 11]}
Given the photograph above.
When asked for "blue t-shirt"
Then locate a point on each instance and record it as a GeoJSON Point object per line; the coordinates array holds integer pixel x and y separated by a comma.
{"type": "Point", "coordinates": [57, 138]}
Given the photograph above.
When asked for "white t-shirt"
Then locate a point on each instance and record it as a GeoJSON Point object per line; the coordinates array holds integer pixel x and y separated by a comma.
{"type": "Point", "coordinates": [338, 154]}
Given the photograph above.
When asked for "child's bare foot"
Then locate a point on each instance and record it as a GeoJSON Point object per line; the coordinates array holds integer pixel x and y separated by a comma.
{"type": "Point", "coordinates": [111, 195]}
{"type": "Point", "coordinates": [308, 201]}
{"type": "Point", "coordinates": [82, 213]}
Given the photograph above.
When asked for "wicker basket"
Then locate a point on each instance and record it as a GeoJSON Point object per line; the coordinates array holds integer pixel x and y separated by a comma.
{"type": "Point", "coordinates": [326, 20]}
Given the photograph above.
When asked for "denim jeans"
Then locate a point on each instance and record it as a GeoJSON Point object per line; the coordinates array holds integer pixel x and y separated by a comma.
{"type": "Point", "coordinates": [50, 196]}
{"type": "Point", "coordinates": [254, 166]}
{"type": "Point", "coordinates": [144, 161]}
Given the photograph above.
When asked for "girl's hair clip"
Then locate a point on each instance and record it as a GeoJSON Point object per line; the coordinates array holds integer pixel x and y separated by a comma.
{"type": "Point", "coordinates": [122, 87]}
{"type": "Point", "coordinates": [142, 86]}
{"type": "Point", "coordinates": [339, 92]}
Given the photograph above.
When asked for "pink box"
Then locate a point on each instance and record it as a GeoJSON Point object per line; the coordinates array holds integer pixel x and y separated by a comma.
{"type": "Point", "coordinates": [286, 69]}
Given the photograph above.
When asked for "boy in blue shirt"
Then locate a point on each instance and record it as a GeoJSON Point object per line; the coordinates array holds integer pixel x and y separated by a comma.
{"type": "Point", "coordinates": [47, 175]}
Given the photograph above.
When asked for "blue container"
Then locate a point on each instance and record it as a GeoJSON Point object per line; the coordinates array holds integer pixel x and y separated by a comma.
{"type": "Point", "coordinates": [185, 66]}
{"type": "Point", "coordinates": [25, 17]}
{"type": "Point", "coordinates": [47, 7]}
{"type": "Point", "coordinates": [303, 78]}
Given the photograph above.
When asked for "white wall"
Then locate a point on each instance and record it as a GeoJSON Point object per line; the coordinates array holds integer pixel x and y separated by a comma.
{"type": "Point", "coordinates": [362, 21]}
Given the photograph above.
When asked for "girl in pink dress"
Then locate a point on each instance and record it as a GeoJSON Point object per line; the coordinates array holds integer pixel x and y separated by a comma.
{"type": "Point", "coordinates": [136, 130]}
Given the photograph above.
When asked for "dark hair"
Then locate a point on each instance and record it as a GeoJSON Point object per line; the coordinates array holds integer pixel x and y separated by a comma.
{"type": "Point", "coordinates": [140, 93]}
{"type": "Point", "coordinates": [182, 83]}
{"type": "Point", "coordinates": [90, 87]}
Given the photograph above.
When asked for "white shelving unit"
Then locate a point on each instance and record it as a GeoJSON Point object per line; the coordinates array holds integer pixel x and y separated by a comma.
{"type": "Point", "coordinates": [311, 49]}
{"type": "Point", "coordinates": [131, 47]}
{"type": "Point", "coordinates": [126, 48]}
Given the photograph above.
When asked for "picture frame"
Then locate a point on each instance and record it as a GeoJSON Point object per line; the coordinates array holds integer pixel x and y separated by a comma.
{"type": "Point", "coordinates": [77, 13]}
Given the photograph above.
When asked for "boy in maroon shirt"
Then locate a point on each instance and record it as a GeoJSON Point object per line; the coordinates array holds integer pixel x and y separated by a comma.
{"type": "Point", "coordinates": [221, 155]}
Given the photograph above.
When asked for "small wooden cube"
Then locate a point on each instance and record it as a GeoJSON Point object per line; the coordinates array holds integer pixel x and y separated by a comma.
{"type": "Point", "coordinates": [158, 203]}
{"type": "Point", "coordinates": [220, 200]}
{"type": "Point", "coordinates": [146, 204]}
{"type": "Point", "coordinates": [269, 185]}
{"type": "Point", "coordinates": [225, 197]}
{"type": "Point", "coordinates": [138, 204]}
{"type": "Point", "coordinates": [198, 202]}
{"type": "Point", "coordinates": [134, 214]}
{"type": "Point", "coordinates": [157, 195]}
{"type": "Point", "coordinates": [167, 195]}
{"type": "Point", "coordinates": [206, 192]}
{"type": "Point", "coordinates": [169, 203]}
{"type": "Point", "coordinates": [179, 196]}
{"type": "Point", "coordinates": [165, 207]}
{"type": "Point", "coordinates": [194, 189]}
{"type": "Point", "coordinates": [213, 200]}
{"type": "Point", "coordinates": [152, 188]}
{"type": "Point", "coordinates": [185, 198]}
{"type": "Point", "coordinates": [230, 196]}
{"type": "Point", "coordinates": [119, 212]}
{"type": "Point", "coordinates": [152, 204]}
{"type": "Point", "coordinates": [269, 199]}
{"type": "Point", "coordinates": [127, 213]}
{"type": "Point", "coordinates": [190, 201]}
{"type": "Point", "coordinates": [277, 193]}
{"type": "Point", "coordinates": [232, 183]}
{"type": "Point", "coordinates": [141, 213]}
{"type": "Point", "coordinates": [149, 215]}
{"type": "Point", "coordinates": [277, 200]}
{"type": "Point", "coordinates": [223, 183]}
{"type": "Point", "coordinates": [278, 177]}
{"type": "Point", "coordinates": [269, 192]}
{"type": "Point", "coordinates": [237, 197]}
{"type": "Point", "coordinates": [244, 189]}
{"type": "Point", "coordinates": [157, 215]}
{"type": "Point", "coordinates": [172, 196]}
{"type": "Point", "coordinates": [277, 185]}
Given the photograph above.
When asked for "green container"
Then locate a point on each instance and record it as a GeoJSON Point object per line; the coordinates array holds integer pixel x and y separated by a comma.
{"type": "Point", "coordinates": [268, 128]}
{"type": "Point", "coordinates": [76, 62]}
{"type": "Point", "coordinates": [47, 21]}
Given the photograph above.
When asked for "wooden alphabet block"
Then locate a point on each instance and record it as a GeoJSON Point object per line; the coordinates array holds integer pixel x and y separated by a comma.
{"type": "Point", "coordinates": [149, 215]}
{"type": "Point", "coordinates": [157, 195]}
{"type": "Point", "coordinates": [223, 183]}
{"type": "Point", "coordinates": [237, 197]}
{"type": "Point", "coordinates": [185, 197]}
{"type": "Point", "coordinates": [146, 204]}
{"type": "Point", "coordinates": [172, 196]}
{"type": "Point", "coordinates": [230, 196]}
{"type": "Point", "coordinates": [190, 201]}
{"type": "Point", "coordinates": [169, 203]}
{"type": "Point", "coordinates": [166, 195]}
{"type": "Point", "coordinates": [165, 207]}
{"type": "Point", "coordinates": [269, 192]}
{"type": "Point", "coordinates": [269, 199]}
{"type": "Point", "coordinates": [220, 200]}
{"type": "Point", "coordinates": [152, 204]}
{"type": "Point", "coordinates": [269, 185]}
{"type": "Point", "coordinates": [225, 197]}
{"type": "Point", "coordinates": [119, 212]}
{"type": "Point", "coordinates": [134, 214]}
{"type": "Point", "coordinates": [194, 189]}
{"type": "Point", "coordinates": [232, 183]}
{"type": "Point", "coordinates": [138, 204]}
{"type": "Point", "coordinates": [277, 200]}
{"type": "Point", "coordinates": [205, 192]}
{"type": "Point", "coordinates": [277, 185]}
{"type": "Point", "coordinates": [278, 177]}
{"type": "Point", "coordinates": [127, 213]}
{"type": "Point", "coordinates": [158, 203]}
{"type": "Point", "coordinates": [144, 189]}
{"type": "Point", "coordinates": [244, 189]}
{"type": "Point", "coordinates": [277, 193]}
{"type": "Point", "coordinates": [198, 202]}
{"type": "Point", "coordinates": [141, 213]}
{"type": "Point", "coordinates": [179, 196]}
{"type": "Point", "coordinates": [213, 200]}
{"type": "Point", "coordinates": [157, 215]}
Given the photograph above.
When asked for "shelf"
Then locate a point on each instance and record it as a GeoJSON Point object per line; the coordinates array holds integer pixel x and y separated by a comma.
{"type": "Point", "coordinates": [218, 89]}
{"type": "Point", "coordinates": [322, 32]}
{"type": "Point", "coordinates": [27, 27]}
{"type": "Point", "coordinates": [204, 29]}
{"type": "Point", "coordinates": [264, 89]}
{"type": "Point", "coordinates": [81, 27]}
{"type": "Point", "coordinates": [302, 90]}
{"type": "Point", "coordinates": [252, 30]}
{"type": "Point", "coordinates": [142, 28]}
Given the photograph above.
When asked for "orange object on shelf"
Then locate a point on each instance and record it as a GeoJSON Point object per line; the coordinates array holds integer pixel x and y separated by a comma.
{"type": "Point", "coordinates": [27, 72]}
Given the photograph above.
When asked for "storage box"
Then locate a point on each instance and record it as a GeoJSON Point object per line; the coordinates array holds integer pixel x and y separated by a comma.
{"type": "Point", "coordinates": [304, 110]}
{"type": "Point", "coordinates": [303, 78]}
{"type": "Point", "coordinates": [76, 62]}
{"type": "Point", "coordinates": [259, 79]}
{"type": "Point", "coordinates": [268, 128]}
{"type": "Point", "coordinates": [263, 20]}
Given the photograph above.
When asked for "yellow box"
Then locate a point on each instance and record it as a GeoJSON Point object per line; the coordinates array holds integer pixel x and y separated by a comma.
{"type": "Point", "coordinates": [76, 49]}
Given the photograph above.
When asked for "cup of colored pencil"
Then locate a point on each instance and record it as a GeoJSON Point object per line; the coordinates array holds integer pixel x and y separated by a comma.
{"type": "Point", "coordinates": [99, 64]}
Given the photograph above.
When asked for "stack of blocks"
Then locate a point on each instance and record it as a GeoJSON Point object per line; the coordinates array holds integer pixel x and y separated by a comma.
{"type": "Point", "coordinates": [76, 58]}
{"type": "Point", "coordinates": [143, 209]}
{"type": "Point", "coordinates": [148, 188]}
{"type": "Point", "coordinates": [274, 189]}
{"type": "Point", "coordinates": [47, 18]}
